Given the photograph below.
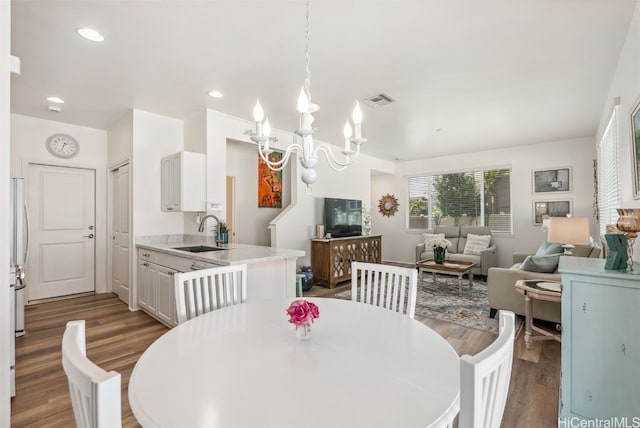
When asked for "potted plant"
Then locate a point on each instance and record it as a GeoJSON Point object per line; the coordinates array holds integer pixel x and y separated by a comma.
{"type": "Point", "coordinates": [224, 232]}
{"type": "Point", "coordinates": [440, 246]}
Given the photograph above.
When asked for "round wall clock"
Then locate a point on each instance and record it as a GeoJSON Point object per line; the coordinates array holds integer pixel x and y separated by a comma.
{"type": "Point", "coordinates": [62, 145]}
{"type": "Point", "coordinates": [388, 205]}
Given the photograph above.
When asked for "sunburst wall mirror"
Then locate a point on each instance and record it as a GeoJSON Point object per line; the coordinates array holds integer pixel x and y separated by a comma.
{"type": "Point", "coordinates": [388, 205]}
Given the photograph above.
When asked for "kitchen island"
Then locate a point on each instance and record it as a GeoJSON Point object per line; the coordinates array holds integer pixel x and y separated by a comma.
{"type": "Point", "coordinates": [271, 272]}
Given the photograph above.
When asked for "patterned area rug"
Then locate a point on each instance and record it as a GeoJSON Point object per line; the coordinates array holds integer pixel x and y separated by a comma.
{"type": "Point", "coordinates": [441, 301]}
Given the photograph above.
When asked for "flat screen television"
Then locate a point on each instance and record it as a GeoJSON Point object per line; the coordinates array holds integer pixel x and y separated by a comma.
{"type": "Point", "coordinates": [343, 217]}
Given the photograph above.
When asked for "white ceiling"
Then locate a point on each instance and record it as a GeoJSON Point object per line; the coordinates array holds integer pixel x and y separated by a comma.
{"type": "Point", "coordinates": [489, 73]}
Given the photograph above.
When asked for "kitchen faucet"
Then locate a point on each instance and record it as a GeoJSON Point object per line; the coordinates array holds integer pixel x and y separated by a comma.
{"type": "Point", "coordinates": [204, 220]}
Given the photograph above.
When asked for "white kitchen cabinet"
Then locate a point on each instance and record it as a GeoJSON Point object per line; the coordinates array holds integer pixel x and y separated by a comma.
{"type": "Point", "coordinates": [165, 309]}
{"type": "Point", "coordinates": [183, 182]}
{"type": "Point", "coordinates": [156, 295]}
{"type": "Point", "coordinates": [155, 286]}
{"type": "Point", "coordinates": [600, 341]}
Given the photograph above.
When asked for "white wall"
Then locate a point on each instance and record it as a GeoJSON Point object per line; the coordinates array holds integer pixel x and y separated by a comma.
{"type": "Point", "coordinates": [251, 221]}
{"type": "Point", "coordinates": [5, 153]}
{"type": "Point", "coordinates": [296, 226]}
{"type": "Point", "coordinates": [154, 137]}
{"type": "Point", "coordinates": [626, 86]}
{"type": "Point", "coordinates": [398, 243]}
{"type": "Point", "coordinates": [28, 137]}
{"type": "Point", "coordinates": [120, 137]}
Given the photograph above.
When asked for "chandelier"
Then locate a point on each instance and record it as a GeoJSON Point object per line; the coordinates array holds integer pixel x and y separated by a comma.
{"type": "Point", "coordinates": [308, 150]}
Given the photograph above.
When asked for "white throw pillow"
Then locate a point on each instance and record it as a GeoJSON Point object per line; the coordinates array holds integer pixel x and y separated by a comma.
{"type": "Point", "coordinates": [430, 237]}
{"type": "Point", "coordinates": [476, 244]}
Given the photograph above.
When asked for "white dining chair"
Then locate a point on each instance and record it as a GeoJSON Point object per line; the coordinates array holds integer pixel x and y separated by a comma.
{"type": "Point", "coordinates": [205, 290]}
{"type": "Point", "coordinates": [388, 286]}
{"type": "Point", "coordinates": [484, 379]}
{"type": "Point", "coordinates": [95, 393]}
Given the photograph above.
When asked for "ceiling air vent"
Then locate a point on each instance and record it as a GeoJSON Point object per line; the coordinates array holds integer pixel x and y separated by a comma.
{"type": "Point", "coordinates": [379, 100]}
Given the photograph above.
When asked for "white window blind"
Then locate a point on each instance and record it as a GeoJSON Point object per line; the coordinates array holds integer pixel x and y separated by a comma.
{"type": "Point", "coordinates": [469, 198]}
{"type": "Point", "coordinates": [608, 181]}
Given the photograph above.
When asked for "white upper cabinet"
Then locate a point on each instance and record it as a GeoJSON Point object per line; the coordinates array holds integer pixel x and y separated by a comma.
{"type": "Point", "coordinates": [184, 182]}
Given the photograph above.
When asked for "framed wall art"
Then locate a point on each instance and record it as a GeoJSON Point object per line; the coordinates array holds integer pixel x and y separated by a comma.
{"type": "Point", "coordinates": [558, 208]}
{"type": "Point", "coordinates": [551, 180]}
{"type": "Point", "coordinates": [269, 183]}
{"type": "Point", "coordinates": [635, 147]}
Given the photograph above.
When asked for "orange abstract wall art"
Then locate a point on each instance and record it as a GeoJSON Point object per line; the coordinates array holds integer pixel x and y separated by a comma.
{"type": "Point", "coordinates": [269, 183]}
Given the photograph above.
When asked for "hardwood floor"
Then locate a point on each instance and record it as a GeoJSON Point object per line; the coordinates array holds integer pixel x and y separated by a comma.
{"type": "Point", "coordinates": [117, 337]}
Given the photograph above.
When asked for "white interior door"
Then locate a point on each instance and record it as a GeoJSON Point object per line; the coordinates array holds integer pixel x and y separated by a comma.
{"type": "Point", "coordinates": [120, 256]}
{"type": "Point", "coordinates": [62, 205]}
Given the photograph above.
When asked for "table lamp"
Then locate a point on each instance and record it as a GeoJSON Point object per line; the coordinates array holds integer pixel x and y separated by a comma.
{"type": "Point", "coordinates": [569, 231]}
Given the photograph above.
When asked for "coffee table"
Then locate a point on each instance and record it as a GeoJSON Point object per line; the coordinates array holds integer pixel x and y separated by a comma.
{"type": "Point", "coordinates": [449, 267]}
{"type": "Point", "coordinates": [538, 289]}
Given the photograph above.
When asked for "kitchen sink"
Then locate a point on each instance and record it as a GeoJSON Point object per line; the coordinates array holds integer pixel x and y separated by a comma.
{"type": "Point", "coordinates": [199, 249]}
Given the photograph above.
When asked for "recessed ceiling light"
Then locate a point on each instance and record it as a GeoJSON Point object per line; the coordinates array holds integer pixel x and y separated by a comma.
{"type": "Point", "coordinates": [91, 34]}
{"type": "Point", "coordinates": [55, 100]}
{"type": "Point", "coordinates": [216, 94]}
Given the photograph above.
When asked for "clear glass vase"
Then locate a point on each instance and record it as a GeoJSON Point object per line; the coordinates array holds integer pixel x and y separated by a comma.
{"type": "Point", "coordinates": [303, 332]}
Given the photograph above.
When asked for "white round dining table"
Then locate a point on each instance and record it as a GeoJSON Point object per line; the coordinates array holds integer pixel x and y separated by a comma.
{"type": "Point", "coordinates": [242, 366]}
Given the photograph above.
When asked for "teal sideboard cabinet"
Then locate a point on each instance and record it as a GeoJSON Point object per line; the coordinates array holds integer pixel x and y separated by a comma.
{"type": "Point", "coordinates": [600, 342]}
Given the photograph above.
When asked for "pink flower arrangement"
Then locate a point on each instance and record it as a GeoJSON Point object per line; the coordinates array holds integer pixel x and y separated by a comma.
{"type": "Point", "coordinates": [302, 312]}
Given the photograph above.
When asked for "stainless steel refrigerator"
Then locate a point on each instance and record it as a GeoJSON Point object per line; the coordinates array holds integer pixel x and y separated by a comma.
{"type": "Point", "coordinates": [19, 255]}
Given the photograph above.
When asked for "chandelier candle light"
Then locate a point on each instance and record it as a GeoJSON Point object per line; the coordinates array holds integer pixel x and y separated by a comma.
{"type": "Point", "coordinates": [309, 151]}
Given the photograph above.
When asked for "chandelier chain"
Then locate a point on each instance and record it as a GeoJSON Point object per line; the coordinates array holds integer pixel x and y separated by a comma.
{"type": "Point", "coordinates": [307, 52]}
{"type": "Point", "coordinates": [308, 150]}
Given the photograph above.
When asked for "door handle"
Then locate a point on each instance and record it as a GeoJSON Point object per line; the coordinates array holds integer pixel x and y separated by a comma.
{"type": "Point", "coordinates": [88, 236]}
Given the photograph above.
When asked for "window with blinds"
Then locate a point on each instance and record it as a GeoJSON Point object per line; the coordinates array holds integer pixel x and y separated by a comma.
{"type": "Point", "coordinates": [469, 198]}
{"type": "Point", "coordinates": [608, 182]}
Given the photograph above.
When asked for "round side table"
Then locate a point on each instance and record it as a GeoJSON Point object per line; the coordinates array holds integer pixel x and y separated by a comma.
{"type": "Point", "coordinates": [540, 290]}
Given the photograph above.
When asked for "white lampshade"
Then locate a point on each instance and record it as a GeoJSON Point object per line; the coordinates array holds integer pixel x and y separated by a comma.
{"type": "Point", "coordinates": [573, 230]}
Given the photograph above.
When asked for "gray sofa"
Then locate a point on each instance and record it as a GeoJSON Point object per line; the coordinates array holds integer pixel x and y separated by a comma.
{"type": "Point", "coordinates": [503, 295]}
{"type": "Point", "coordinates": [458, 237]}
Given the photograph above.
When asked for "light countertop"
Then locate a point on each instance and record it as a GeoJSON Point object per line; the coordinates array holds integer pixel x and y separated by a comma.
{"type": "Point", "coordinates": [233, 253]}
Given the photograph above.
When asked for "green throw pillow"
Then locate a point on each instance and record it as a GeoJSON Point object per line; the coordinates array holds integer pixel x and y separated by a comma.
{"type": "Point", "coordinates": [542, 264]}
{"type": "Point", "coordinates": [549, 248]}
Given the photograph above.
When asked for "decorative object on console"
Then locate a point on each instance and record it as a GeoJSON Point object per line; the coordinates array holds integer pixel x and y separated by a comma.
{"type": "Point", "coordinates": [269, 183]}
{"type": "Point", "coordinates": [635, 145]}
{"type": "Point", "coordinates": [617, 257]}
{"type": "Point", "coordinates": [629, 223]}
{"type": "Point", "coordinates": [62, 145]}
{"type": "Point", "coordinates": [301, 314]}
{"type": "Point", "coordinates": [366, 220]}
{"type": "Point", "coordinates": [552, 180]}
{"type": "Point", "coordinates": [569, 231]}
{"type": "Point", "coordinates": [309, 151]}
{"type": "Point", "coordinates": [388, 205]}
